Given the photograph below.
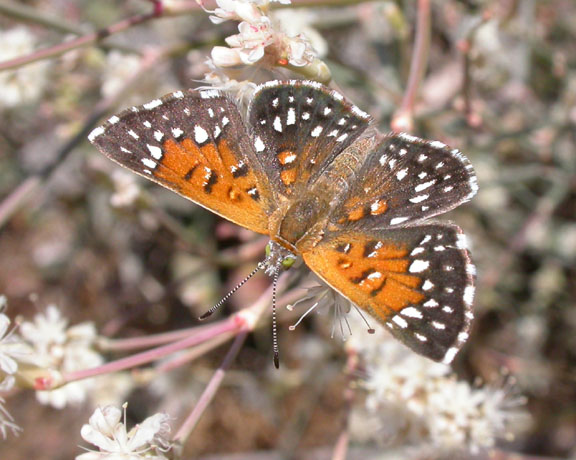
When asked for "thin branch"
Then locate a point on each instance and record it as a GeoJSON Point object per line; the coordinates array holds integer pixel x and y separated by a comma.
{"type": "Point", "coordinates": [403, 119]}
{"type": "Point", "coordinates": [210, 390]}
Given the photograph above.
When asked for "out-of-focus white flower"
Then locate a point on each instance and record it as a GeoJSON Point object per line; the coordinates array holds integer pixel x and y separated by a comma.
{"type": "Point", "coordinates": [63, 349]}
{"type": "Point", "coordinates": [108, 432]}
{"type": "Point", "coordinates": [119, 68]}
{"type": "Point", "coordinates": [300, 22]}
{"type": "Point", "coordinates": [23, 85]}
{"type": "Point", "coordinates": [12, 348]}
{"type": "Point", "coordinates": [7, 421]}
{"type": "Point", "coordinates": [126, 189]}
{"type": "Point", "coordinates": [235, 10]}
{"type": "Point", "coordinates": [415, 401]}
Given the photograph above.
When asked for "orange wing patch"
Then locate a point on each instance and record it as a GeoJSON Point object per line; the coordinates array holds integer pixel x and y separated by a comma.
{"type": "Point", "coordinates": [211, 176]}
{"type": "Point", "coordinates": [373, 274]}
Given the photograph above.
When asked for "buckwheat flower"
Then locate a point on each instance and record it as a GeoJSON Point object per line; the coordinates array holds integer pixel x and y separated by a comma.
{"type": "Point", "coordinates": [26, 84]}
{"type": "Point", "coordinates": [247, 47]}
{"type": "Point", "coordinates": [300, 22]}
{"type": "Point", "coordinates": [12, 348]}
{"type": "Point", "coordinates": [126, 189]}
{"type": "Point", "coordinates": [415, 401]}
{"type": "Point", "coordinates": [7, 421]}
{"type": "Point", "coordinates": [62, 349]}
{"type": "Point", "coordinates": [119, 68]}
{"type": "Point", "coordinates": [235, 10]}
{"type": "Point", "coordinates": [107, 431]}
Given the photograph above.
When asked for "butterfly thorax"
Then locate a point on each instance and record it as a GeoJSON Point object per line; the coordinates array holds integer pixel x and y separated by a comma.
{"type": "Point", "coordinates": [298, 225]}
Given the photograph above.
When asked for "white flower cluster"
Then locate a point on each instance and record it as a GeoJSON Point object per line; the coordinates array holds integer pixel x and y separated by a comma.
{"type": "Point", "coordinates": [414, 401]}
{"type": "Point", "coordinates": [107, 431]}
{"type": "Point", "coordinates": [23, 85]}
{"type": "Point", "coordinates": [262, 39]}
{"type": "Point", "coordinates": [11, 351]}
{"type": "Point", "coordinates": [62, 349]}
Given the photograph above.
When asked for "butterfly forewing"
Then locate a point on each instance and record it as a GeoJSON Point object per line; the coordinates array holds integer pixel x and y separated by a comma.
{"type": "Point", "coordinates": [194, 143]}
{"type": "Point", "coordinates": [299, 127]}
{"type": "Point", "coordinates": [405, 180]}
{"type": "Point", "coordinates": [418, 282]}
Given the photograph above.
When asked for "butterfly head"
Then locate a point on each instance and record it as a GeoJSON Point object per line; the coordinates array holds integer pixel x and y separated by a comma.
{"type": "Point", "coordinates": [278, 258]}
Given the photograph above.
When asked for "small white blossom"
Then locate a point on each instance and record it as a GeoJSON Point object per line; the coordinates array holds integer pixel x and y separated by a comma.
{"type": "Point", "coordinates": [247, 47]}
{"type": "Point", "coordinates": [25, 84]}
{"type": "Point", "coordinates": [126, 189]}
{"type": "Point", "coordinates": [12, 348]}
{"type": "Point", "coordinates": [235, 10]}
{"type": "Point", "coordinates": [7, 421]}
{"type": "Point", "coordinates": [119, 69]}
{"type": "Point", "coordinates": [65, 349]}
{"type": "Point", "coordinates": [108, 432]}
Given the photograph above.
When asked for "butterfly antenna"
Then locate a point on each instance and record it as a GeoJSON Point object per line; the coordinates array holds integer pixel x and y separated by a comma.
{"type": "Point", "coordinates": [209, 313]}
{"type": "Point", "coordinates": [274, 324]}
{"type": "Point", "coordinates": [371, 330]}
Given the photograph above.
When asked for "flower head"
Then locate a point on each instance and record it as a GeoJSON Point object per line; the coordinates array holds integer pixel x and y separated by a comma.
{"type": "Point", "coordinates": [23, 85]}
{"type": "Point", "coordinates": [413, 400]}
{"type": "Point", "coordinates": [64, 349]}
{"type": "Point", "coordinates": [107, 431]}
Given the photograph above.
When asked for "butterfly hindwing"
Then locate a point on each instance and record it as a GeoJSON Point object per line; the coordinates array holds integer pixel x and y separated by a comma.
{"type": "Point", "coordinates": [402, 181]}
{"type": "Point", "coordinates": [196, 144]}
{"type": "Point", "coordinates": [418, 282]}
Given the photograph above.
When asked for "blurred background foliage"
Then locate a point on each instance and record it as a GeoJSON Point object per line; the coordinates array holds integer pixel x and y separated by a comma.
{"type": "Point", "coordinates": [134, 258]}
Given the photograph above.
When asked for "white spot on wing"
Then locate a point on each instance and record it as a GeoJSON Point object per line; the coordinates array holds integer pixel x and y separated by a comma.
{"type": "Point", "coordinates": [412, 312]}
{"type": "Point", "coordinates": [259, 145]}
{"type": "Point", "coordinates": [95, 133]}
{"type": "Point", "coordinates": [418, 266]}
{"type": "Point", "coordinates": [424, 186]}
{"type": "Point", "coordinates": [150, 163]}
{"type": "Point", "coordinates": [400, 321]}
{"type": "Point", "coordinates": [419, 198]}
{"type": "Point", "coordinates": [291, 116]}
{"type": "Point", "coordinates": [316, 131]}
{"type": "Point", "coordinates": [155, 151]}
{"type": "Point", "coordinates": [200, 134]}
{"type": "Point", "coordinates": [152, 104]}
{"type": "Point", "coordinates": [402, 174]}
{"type": "Point", "coordinates": [177, 132]}
{"type": "Point", "coordinates": [277, 124]}
{"type": "Point", "coordinates": [398, 220]}
{"type": "Point", "coordinates": [158, 135]}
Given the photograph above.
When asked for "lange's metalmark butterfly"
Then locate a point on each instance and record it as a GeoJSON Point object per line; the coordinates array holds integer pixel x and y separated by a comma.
{"type": "Point", "coordinates": [304, 168]}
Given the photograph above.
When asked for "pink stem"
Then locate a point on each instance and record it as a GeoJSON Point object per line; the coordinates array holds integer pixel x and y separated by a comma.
{"type": "Point", "coordinates": [403, 119]}
{"type": "Point", "coordinates": [152, 340]}
{"type": "Point", "coordinates": [210, 390]}
{"type": "Point", "coordinates": [230, 324]}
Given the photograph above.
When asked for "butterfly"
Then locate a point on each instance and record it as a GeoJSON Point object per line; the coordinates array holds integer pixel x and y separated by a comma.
{"type": "Point", "coordinates": [305, 167]}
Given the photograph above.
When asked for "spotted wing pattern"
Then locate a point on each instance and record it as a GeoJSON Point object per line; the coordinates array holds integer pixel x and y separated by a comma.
{"type": "Point", "coordinates": [196, 144]}
{"type": "Point", "coordinates": [299, 127]}
{"type": "Point", "coordinates": [418, 282]}
{"type": "Point", "coordinates": [405, 180]}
